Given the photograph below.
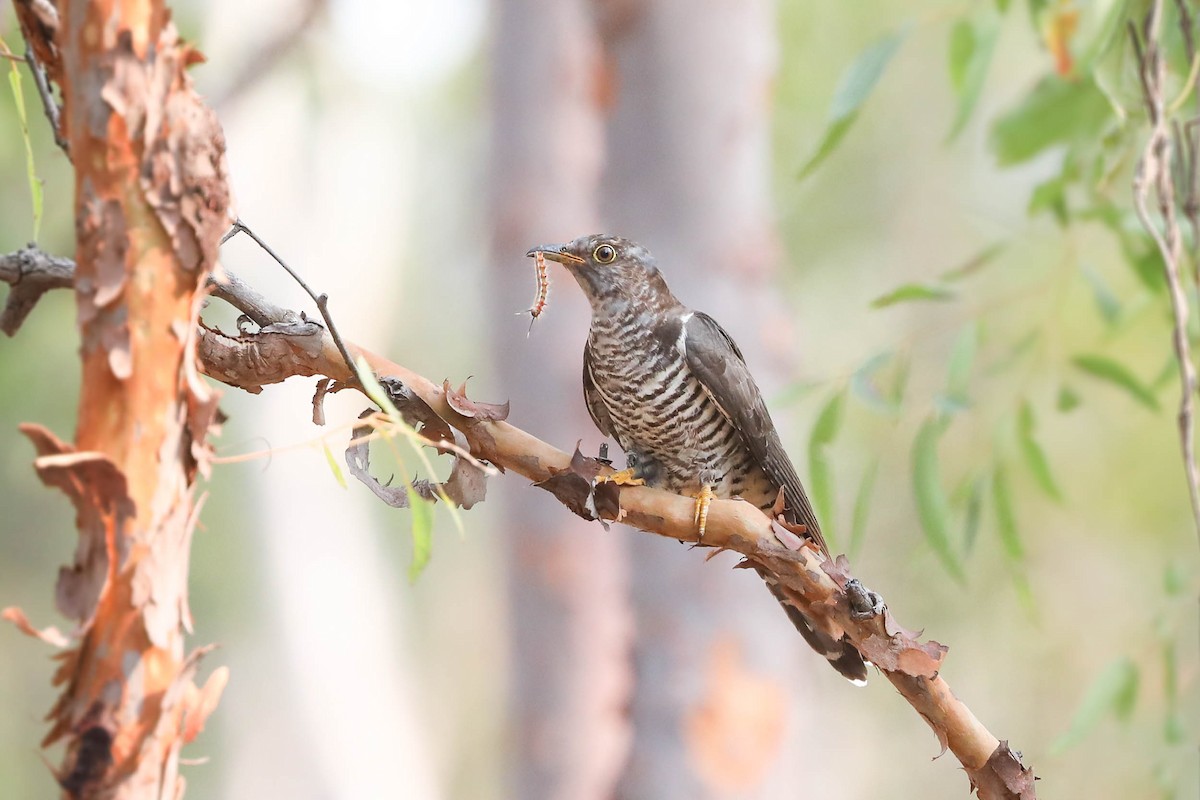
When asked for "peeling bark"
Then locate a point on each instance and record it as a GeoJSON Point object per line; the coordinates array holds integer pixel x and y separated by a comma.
{"type": "Point", "coordinates": [150, 205]}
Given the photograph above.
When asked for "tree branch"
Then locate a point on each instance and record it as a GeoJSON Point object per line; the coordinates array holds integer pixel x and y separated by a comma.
{"type": "Point", "coordinates": [287, 345]}
{"type": "Point", "coordinates": [1154, 170]}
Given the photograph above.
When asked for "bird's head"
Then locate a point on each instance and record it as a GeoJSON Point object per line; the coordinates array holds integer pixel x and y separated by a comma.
{"type": "Point", "coordinates": [614, 273]}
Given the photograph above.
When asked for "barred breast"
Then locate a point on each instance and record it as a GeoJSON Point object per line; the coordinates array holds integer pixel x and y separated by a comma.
{"type": "Point", "coordinates": [663, 417]}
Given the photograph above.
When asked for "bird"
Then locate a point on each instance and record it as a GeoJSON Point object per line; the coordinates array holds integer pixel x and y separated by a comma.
{"type": "Point", "coordinates": [670, 385]}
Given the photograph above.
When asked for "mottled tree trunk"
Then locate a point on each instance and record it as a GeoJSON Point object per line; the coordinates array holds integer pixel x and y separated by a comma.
{"type": "Point", "coordinates": [571, 638]}
{"type": "Point", "coordinates": [689, 177]}
{"type": "Point", "coordinates": [150, 203]}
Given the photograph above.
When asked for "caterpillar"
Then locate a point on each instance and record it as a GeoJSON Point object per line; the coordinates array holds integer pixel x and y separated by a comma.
{"type": "Point", "coordinates": [543, 291]}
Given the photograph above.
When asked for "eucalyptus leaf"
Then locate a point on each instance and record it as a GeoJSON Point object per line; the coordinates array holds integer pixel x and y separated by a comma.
{"type": "Point", "coordinates": [1055, 112]}
{"type": "Point", "coordinates": [820, 471]}
{"type": "Point", "coordinates": [422, 532]}
{"type": "Point", "coordinates": [933, 511]}
{"type": "Point", "coordinates": [1035, 457]}
{"type": "Point", "coordinates": [864, 384]}
{"type": "Point", "coordinates": [912, 291]}
{"type": "Point", "coordinates": [974, 514]}
{"type": "Point", "coordinates": [862, 508]}
{"type": "Point", "coordinates": [855, 87]}
{"type": "Point", "coordinates": [1106, 302]}
{"type": "Point", "coordinates": [974, 263]}
{"type": "Point", "coordinates": [1113, 691]}
{"type": "Point", "coordinates": [1117, 374]}
{"type": "Point", "coordinates": [1068, 399]}
{"type": "Point", "coordinates": [962, 358]}
{"type": "Point", "coordinates": [1006, 518]}
{"type": "Point", "coordinates": [334, 467]}
{"type": "Point", "coordinates": [971, 46]}
{"type": "Point", "coordinates": [35, 183]}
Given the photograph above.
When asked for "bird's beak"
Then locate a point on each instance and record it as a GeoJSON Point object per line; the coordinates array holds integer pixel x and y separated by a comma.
{"type": "Point", "coordinates": [555, 252]}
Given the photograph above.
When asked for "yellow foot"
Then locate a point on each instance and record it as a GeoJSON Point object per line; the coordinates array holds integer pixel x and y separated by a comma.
{"type": "Point", "coordinates": [703, 499]}
{"type": "Point", "coordinates": [623, 478]}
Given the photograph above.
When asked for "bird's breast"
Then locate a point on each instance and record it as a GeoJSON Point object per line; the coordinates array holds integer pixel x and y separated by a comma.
{"type": "Point", "coordinates": [660, 410]}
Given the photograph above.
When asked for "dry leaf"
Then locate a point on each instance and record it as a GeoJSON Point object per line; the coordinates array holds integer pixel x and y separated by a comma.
{"type": "Point", "coordinates": [50, 635]}
{"type": "Point", "coordinates": [482, 412]}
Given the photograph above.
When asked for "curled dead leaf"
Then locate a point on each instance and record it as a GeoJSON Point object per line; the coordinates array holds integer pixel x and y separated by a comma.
{"type": "Point", "coordinates": [894, 628]}
{"type": "Point", "coordinates": [50, 635]}
{"type": "Point", "coordinates": [466, 486]}
{"type": "Point", "coordinates": [838, 570]}
{"type": "Point", "coordinates": [458, 400]}
{"type": "Point", "coordinates": [901, 654]}
{"type": "Point", "coordinates": [575, 488]}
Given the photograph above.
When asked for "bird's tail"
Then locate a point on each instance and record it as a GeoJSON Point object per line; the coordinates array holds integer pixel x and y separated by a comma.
{"type": "Point", "coordinates": [841, 654]}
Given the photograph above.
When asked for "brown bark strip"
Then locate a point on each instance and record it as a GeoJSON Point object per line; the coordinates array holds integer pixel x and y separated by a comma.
{"type": "Point", "coordinates": [151, 203]}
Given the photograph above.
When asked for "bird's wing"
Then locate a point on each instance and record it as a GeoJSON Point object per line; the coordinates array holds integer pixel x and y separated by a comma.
{"type": "Point", "coordinates": [718, 364]}
{"type": "Point", "coordinates": [595, 403]}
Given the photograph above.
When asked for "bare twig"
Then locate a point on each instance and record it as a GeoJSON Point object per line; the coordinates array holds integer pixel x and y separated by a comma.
{"type": "Point", "coordinates": [1154, 170]}
{"type": "Point", "coordinates": [287, 347]}
{"type": "Point", "coordinates": [49, 106]}
{"type": "Point", "coordinates": [31, 273]}
{"type": "Point", "coordinates": [322, 300]}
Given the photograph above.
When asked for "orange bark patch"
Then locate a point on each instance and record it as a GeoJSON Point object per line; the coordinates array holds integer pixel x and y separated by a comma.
{"type": "Point", "coordinates": [735, 734]}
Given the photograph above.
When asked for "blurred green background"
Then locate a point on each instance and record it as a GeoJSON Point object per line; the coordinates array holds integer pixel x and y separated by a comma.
{"type": "Point", "coordinates": [994, 444]}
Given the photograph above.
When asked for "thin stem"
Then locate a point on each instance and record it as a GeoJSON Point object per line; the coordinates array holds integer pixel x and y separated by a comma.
{"type": "Point", "coordinates": [322, 300]}
{"type": "Point", "coordinates": [1154, 169]}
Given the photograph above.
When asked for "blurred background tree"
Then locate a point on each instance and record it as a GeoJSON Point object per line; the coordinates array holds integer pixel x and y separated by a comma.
{"type": "Point", "coordinates": [920, 224]}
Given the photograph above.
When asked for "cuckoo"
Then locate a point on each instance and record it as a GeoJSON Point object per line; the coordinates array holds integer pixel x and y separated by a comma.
{"type": "Point", "coordinates": [672, 388]}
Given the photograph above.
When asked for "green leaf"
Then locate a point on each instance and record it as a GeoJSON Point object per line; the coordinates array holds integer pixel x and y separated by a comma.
{"type": "Point", "coordinates": [820, 471]}
{"type": "Point", "coordinates": [899, 382]}
{"type": "Point", "coordinates": [35, 183]}
{"type": "Point", "coordinates": [1114, 691]}
{"type": "Point", "coordinates": [855, 86]}
{"type": "Point", "coordinates": [1035, 457]}
{"type": "Point", "coordinates": [974, 514]}
{"type": "Point", "coordinates": [1051, 195]}
{"type": "Point", "coordinates": [1006, 518]}
{"type": "Point", "coordinates": [1117, 374]}
{"type": "Point", "coordinates": [1068, 399]}
{"type": "Point", "coordinates": [962, 46]}
{"type": "Point", "coordinates": [862, 508]}
{"type": "Point", "coordinates": [1175, 579]}
{"type": "Point", "coordinates": [971, 48]}
{"type": "Point", "coordinates": [912, 291]}
{"type": "Point", "coordinates": [370, 384]}
{"type": "Point", "coordinates": [333, 465]}
{"type": "Point", "coordinates": [1101, 28]}
{"type": "Point", "coordinates": [1106, 302]}
{"type": "Point", "coordinates": [864, 384]}
{"type": "Point", "coordinates": [932, 508]}
{"type": "Point", "coordinates": [974, 263]}
{"type": "Point", "coordinates": [422, 532]}
{"type": "Point", "coordinates": [1055, 112]}
{"type": "Point", "coordinates": [962, 357]}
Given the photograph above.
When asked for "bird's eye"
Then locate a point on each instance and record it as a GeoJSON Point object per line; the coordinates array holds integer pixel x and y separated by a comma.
{"type": "Point", "coordinates": [604, 254]}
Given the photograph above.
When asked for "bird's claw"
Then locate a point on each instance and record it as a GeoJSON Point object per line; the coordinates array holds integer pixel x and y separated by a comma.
{"type": "Point", "coordinates": [703, 499]}
{"type": "Point", "coordinates": [626, 477]}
